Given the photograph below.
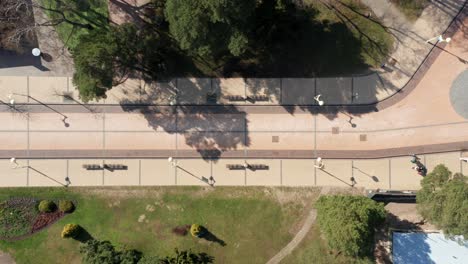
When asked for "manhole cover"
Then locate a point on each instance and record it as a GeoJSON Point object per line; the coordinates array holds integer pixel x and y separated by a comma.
{"type": "Point", "coordinates": [363, 137]}
{"type": "Point", "coordinates": [275, 139]}
{"type": "Point", "coordinates": [335, 130]}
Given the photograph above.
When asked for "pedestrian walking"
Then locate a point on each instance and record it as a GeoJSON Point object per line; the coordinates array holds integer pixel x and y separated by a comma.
{"type": "Point", "coordinates": [465, 159]}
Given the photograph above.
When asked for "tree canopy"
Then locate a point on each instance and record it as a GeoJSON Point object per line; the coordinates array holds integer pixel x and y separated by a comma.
{"type": "Point", "coordinates": [348, 222]}
{"type": "Point", "coordinates": [105, 57]}
{"type": "Point", "coordinates": [443, 200]}
{"type": "Point", "coordinates": [211, 27]}
{"type": "Point", "coordinates": [103, 252]}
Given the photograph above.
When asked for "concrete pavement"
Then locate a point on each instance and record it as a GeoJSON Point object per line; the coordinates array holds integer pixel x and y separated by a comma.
{"type": "Point", "coordinates": [391, 173]}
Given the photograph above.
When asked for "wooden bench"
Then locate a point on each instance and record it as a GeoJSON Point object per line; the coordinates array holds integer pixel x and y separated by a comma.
{"type": "Point", "coordinates": [92, 166]}
{"type": "Point", "coordinates": [260, 98]}
{"type": "Point", "coordinates": [235, 98]}
{"type": "Point", "coordinates": [235, 167]}
{"type": "Point", "coordinates": [115, 167]}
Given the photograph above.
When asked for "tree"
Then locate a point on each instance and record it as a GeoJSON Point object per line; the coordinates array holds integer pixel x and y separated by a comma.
{"type": "Point", "coordinates": [443, 200]}
{"type": "Point", "coordinates": [187, 257]}
{"type": "Point", "coordinates": [103, 252]}
{"type": "Point", "coordinates": [211, 27]}
{"type": "Point", "coordinates": [106, 57]}
{"type": "Point", "coordinates": [19, 13]}
{"type": "Point", "coordinates": [348, 222]}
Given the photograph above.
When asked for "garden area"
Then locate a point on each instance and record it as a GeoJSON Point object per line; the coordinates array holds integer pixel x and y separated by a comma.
{"type": "Point", "coordinates": [237, 224]}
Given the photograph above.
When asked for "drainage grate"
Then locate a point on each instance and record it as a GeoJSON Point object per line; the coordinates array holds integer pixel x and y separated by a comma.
{"type": "Point", "coordinates": [363, 137]}
{"type": "Point", "coordinates": [275, 139]}
{"type": "Point", "coordinates": [335, 130]}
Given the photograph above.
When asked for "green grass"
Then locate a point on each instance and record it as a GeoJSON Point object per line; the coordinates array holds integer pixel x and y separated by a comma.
{"type": "Point", "coordinates": [411, 8]}
{"type": "Point", "coordinates": [253, 222]}
{"type": "Point", "coordinates": [372, 41]}
{"type": "Point", "coordinates": [82, 12]}
{"type": "Point", "coordinates": [16, 221]}
{"type": "Point", "coordinates": [313, 247]}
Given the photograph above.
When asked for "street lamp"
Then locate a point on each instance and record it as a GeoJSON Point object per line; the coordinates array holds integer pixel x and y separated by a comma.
{"type": "Point", "coordinates": [317, 98]}
{"type": "Point", "coordinates": [36, 52]}
{"type": "Point", "coordinates": [172, 161]}
{"type": "Point", "coordinates": [319, 163]}
{"type": "Point", "coordinates": [439, 38]}
{"type": "Point", "coordinates": [13, 161]}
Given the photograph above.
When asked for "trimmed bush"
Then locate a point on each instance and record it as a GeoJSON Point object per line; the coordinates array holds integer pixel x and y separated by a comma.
{"type": "Point", "coordinates": [197, 230]}
{"type": "Point", "coordinates": [71, 231]}
{"type": "Point", "coordinates": [46, 206]}
{"type": "Point", "coordinates": [66, 206]}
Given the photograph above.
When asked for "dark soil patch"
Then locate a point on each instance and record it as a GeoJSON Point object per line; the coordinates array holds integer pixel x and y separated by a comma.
{"type": "Point", "coordinates": [181, 230]}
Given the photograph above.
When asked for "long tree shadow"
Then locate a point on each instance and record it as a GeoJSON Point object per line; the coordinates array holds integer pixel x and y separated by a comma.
{"type": "Point", "coordinates": [211, 130]}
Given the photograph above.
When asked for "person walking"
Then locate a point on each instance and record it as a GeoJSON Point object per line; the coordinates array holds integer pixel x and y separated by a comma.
{"type": "Point", "coordinates": [465, 159]}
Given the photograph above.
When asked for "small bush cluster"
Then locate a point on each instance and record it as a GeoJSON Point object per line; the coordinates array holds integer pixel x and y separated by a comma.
{"type": "Point", "coordinates": [46, 206]}
{"type": "Point", "coordinates": [71, 231]}
{"type": "Point", "coordinates": [66, 206]}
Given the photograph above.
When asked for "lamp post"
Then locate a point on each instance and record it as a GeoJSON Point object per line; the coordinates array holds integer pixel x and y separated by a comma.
{"type": "Point", "coordinates": [317, 98]}
{"type": "Point", "coordinates": [36, 52]}
{"type": "Point", "coordinates": [319, 163]}
{"type": "Point", "coordinates": [14, 162]}
{"type": "Point", "coordinates": [439, 38]}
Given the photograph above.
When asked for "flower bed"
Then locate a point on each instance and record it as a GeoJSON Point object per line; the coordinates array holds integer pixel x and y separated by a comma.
{"type": "Point", "coordinates": [19, 218]}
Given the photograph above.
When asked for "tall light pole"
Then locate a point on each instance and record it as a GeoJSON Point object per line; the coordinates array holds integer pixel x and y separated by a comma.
{"type": "Point", "coordinates": [317, 98]}
{"type": "Point", "coordinates": [439, 38]}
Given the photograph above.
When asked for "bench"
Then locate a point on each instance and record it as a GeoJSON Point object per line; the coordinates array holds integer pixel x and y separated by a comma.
{"type": "Point", "coordinates": [259, 98]}
{"type": "Point", "coordinates": [92, 166]}
{"type": "Point", "coordinates": [115, 167]}
{"type": "Point", "coordinates": [235, 98]}
{"type": "Point", "coordinates": [235, 167]}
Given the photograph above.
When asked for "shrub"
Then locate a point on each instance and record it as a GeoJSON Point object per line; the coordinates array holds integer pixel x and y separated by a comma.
{"type": "Point", "coordinates": [46, 206]}
{"type": "Point", "coordinates": [196, 230]}
{"type": "Point", "coordinates": [71, 230]}
{"type": "Point", "coordinates": [348, 222]}
{"type": "Point", "coordinates": [66, 206]}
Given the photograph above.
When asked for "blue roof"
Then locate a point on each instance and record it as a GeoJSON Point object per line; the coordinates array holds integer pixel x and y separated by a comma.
{"type": "Point", "coordinates": [426, 248]}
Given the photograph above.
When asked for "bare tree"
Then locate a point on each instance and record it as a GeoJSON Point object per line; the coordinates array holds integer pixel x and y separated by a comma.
{"type": "Point", "coordinates": [17, 18]}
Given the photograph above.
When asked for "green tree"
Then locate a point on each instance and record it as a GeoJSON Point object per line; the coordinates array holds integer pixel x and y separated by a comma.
{"type": "Point", "coordinates": [443, 200]}
{"type": "Point", "coordinates": [211, 27]}
{"type": "Point", "coordinates": [105, 58]}
{"type": "Point", "coordinates": [187, 257]}
{"type": "Point", "coordinates": [348, 222]}
{"type": "Point", "coordinates": [103, 252]}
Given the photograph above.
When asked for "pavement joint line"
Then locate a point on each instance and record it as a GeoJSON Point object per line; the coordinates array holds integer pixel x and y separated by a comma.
{"type": "Point", "coordinates": [281, 172]}
{"type": "Point", "coordinates": [27, 173]}
{"type": "Point", "coordinates": [103, 172]}
{"type": "Point", "coordinates": [139, 172]}
{"type": "Point", "coordinates": [390, 173]}
{"type": "Point", "coordinates": [461, 163]}
{"type": "Point", "coordinates": [27, 87]}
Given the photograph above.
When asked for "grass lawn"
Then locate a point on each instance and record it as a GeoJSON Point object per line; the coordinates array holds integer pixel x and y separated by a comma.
{"type": "Point", "coordinates": [82, 14]}
{"type": "Point", "coordinates": [411, 8]}
{"type": "Point", "coordinates": [255, 223]}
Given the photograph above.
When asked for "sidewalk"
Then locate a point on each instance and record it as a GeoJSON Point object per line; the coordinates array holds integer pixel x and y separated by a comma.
{"type": "Point", "coordinates": [391, 173]}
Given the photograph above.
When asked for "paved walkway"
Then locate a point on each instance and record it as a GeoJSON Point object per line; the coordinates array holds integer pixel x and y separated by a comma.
{"type": "Point", "coordinates": [309, 221]}
{"type": "Point", "coordinates": [388, 173]}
